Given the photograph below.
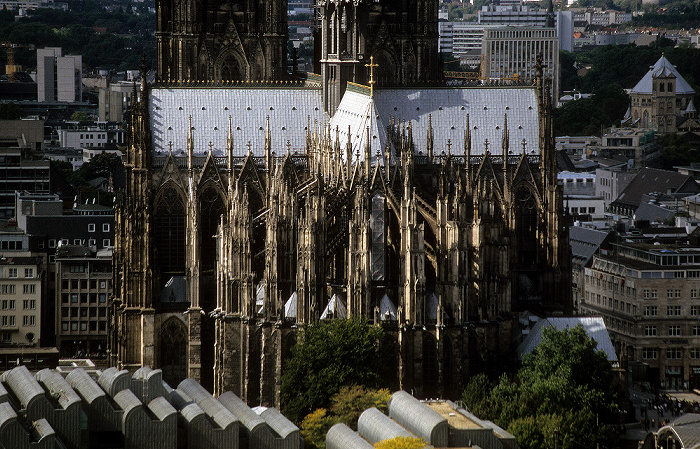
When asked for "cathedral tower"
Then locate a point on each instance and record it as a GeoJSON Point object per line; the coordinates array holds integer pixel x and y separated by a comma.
{"type": "Point", "coordinates": [401, 36]}
{"type": "Point", "coordinates": [217, 40]}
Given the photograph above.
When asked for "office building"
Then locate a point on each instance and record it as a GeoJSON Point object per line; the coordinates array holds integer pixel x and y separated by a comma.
{"type": "Point", "coordinates": [59, 78]}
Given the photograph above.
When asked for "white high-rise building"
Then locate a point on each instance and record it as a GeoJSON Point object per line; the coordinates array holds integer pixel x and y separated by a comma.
{"type": "Point", "coordinates": [59, 78]}
{"type": "Point", "coordinates": [511, 51]}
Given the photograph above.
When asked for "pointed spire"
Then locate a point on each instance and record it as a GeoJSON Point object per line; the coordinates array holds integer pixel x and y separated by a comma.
{"type": "Point", "coordinates": [268, 146]}
{"type": "Point", "coordinates": [348, 151]}
{"type": "Point", "coordinates": [429, 143]}
{"type": "Point", "coordinates": [468, 149]}
{"type": "Point", "coordinates": [229, 147]}
{"type": "Point", "coordinates": [505, 141]}
{"type": "Point", "coordinates": [190, 145]}
{"type": "Point", "coordinates": [368, 153]}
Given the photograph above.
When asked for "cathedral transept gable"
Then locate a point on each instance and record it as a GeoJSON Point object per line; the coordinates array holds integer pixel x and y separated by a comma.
{"type": "Point", "coordinates": [210, 173]}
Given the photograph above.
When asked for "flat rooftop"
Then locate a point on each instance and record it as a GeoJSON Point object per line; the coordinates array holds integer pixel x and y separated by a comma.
{"type": "Point", "coordinates": [454, 418]}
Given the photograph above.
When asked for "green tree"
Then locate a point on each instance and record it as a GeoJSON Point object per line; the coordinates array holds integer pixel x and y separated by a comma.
{"type": "Point", "coordinates": [563, 391]}
{"type": "Point", "coordinates": [676, 151]}
{"type": "Point", "coordinates": [80, 116]}
{"type": "Point", "coordinates": [327, 356]}
{"type": "Point", "coordinates": [315, 426]}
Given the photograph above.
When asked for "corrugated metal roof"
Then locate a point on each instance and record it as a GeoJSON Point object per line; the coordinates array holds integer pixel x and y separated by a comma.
{"type": "Point", "coordinates": [375, 426]}
{"type": "Point", "coordinates": [23, 385]}
{"type": "Point", "coordinates": [58, 387]}
{"type": "Point", "coordinates": [127, 401]}
{"type": "Point", "coordinates": [213, 408]}
{"type": "Point", "coordinates": [289, 109]}
{"type": "Point", "coordinates": [191, 412]}
{"type": "Point", "coordinates": [7, 413]}
{"type": "Point", "coordinates": [341, 436]}
{"type": "Point", "coordinates": [240, 409]}
{"type": "Point", "coordinates": [593, 325]}
{"type": "Point", "coordinates": [662, 68]}
{"type": "Point", "coordinates": [418, 418]}
{"type": "Point", "coordinates": [112, 380]}
{"type": "Point", "coordinates": [161, 408]}
{"type": "Point", "coordinates": [86, 387]}
{"type": "Point", "coordinates": [687, 428]}
{"type": "Point", "coordinates": [279, 423]}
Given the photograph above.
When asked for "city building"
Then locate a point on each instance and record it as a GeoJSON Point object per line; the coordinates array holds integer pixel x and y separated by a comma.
{"type": "Point", "coordinates": [637, 146]}
{"type": "Point", "coordinates": [512, 52]}
{"type": "Point", "coordinates": [19, 172]}
{"type": "Point", "coordinates": [661, 98]}
{"type": "Point", "coordinates": [440, 423]}
{"type": "Point", "coordinates": [20, 300]}
{"type": "Point", "coordinates": [250, 212]}
{"type": "Point", "coordinates": [578, 147]}
{"type": "Point", "coordinates": [651, 181]}
{"type": "Point", "coordinates": [116, 411]}
{"type": "Point", "coordinates": [611, 182]}
{"type": "Point", "coordinates": [649, 297]}
{"type": "Point", "coordinates": [84, 285]}
{"type": "Point", "coordinates": [59, 78]}
{"type": "Point", "coordinates": [585, 241]}
{"type": "Point", "coordinates": [580, 198]}
{"type": "Point", "coordinates": [95, 138]}
{"type": "Point", "coordinates": [114, 101]}
{"type": "Point", "coordinates": [462, 39]}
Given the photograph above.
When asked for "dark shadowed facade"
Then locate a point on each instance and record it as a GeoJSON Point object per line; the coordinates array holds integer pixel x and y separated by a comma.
{"type": "Point", "coordinates": [250, 211]}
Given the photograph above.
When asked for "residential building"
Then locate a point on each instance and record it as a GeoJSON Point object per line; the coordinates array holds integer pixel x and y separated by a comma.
{"type": "Point", "coordinates": [637, 146]}
{"type": "Point", "coordinates": [649, 297]}
{"type": "Point", "coordinates": [84, 286]}
{"type": "Point", "coordinates": [19, 172]}
{"type": "Point", "coordinates": [610, 182]}
{"type": "Point", "coordinates": [585, 241]}
{"type": "Point", "coordinates": [20, 300]}
{"type": "Point", "coordinates": [59, 78]}
{"type": "Point", "coordinates": [580, 197]}
{"type": "Point", "coordinates": [578, 147]}
{"type": "Point", "coordinates": [512, 52]}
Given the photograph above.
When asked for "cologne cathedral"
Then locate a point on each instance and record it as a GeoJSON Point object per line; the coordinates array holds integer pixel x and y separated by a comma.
{"type": "Point", "coordinates": [259, 202]}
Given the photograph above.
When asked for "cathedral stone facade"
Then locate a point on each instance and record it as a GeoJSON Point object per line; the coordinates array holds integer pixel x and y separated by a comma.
{"type": "Point", "coordinates": [251, 212]}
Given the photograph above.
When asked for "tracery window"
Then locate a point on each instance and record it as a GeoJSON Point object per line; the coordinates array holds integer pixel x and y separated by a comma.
{"type": "Point", "coordinates": [169, 224]}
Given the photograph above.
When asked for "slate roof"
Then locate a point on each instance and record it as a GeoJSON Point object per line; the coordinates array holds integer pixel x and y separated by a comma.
{"type": "Point", "coordinates": [662, 68]}
{"type": "Point", "coordinates": [585, 242]}
{"type": "Point", "coordinates": [650, 180]}
{"type": "Point", "coordinates": [594, 326]}
{"type": "Point", "coordinates": [447, 109]}
{"type": "Point", "coordinates": [289, 108]}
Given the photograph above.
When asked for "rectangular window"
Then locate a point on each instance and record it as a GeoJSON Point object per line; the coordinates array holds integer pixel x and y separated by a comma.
{"type": "Point", "coordinates": [106, 242]}
{"type": "Point", "coordinates": [646, 293]}
{"type": "Point", "coordinates": [92, 242]}
{"type": "Point", "coordinates": [74, 326]}
{"type": "Point", "coordinates": [7, 289]}
{"type": "Point", "coordinates": [693, 292]}
{"type": "Point", "coordinates": [696, 330]}
{"type": "Point", "coordinates": [83, 326]}
{"type": "Point", "coordinates": [12, 272]}
{"type": "Point", "coordinates": [650, 331]}
{"type": "Point", "coordinates": [654, 293]}
{"type": "Point", "coordinates": [29, 272]}
{"type": "Point", "coordinates": [674, 330]}
{"type": "Point", "coordinates": [674, 353]}
{"type": "Point", "coordinates": [673, 310]}
{"type": "Point", "coordinates": [694, 310]}
{"type": "Point", "coordinates": [103, 297]}
{"type": "Point", "coordinates": [105, 227]}
{"type": "Point", "coordinates": [74, 298]}
{"type": "Point", "coordinates": [650, 310]}
{"type": "Point", "coordinates": [29, 289]}
{"type": "Point", "coordinates": [28, 320]}
{"type": "Point", "coordinates": [695, 353]}
{"type": "Point", "coordinates": [91, 227]}
{"type": "Point", "coordinates": [52, 243]}
{"type": "Point", "coordinates": [64, 326]}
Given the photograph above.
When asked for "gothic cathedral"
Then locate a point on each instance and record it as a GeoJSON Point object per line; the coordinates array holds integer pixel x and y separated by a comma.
{"type": "Point", "coordinates": [257, 204]}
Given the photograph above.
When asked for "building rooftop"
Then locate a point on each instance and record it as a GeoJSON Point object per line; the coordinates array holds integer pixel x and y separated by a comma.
{"type": "Point", "coordinates": [662, 68]}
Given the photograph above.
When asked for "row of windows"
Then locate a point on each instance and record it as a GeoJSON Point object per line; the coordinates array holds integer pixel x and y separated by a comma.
{"type": "Point", "coordinates": [94, 326]}
{"type": "Point", "coordinates": [9, 320]}
{"type": "Point", "coordinates": [83, 312]}
{"type": "Point", "coordinates": [9, 289]}
{"type": "Point", "coordinates": [83, 297]}
{"type": "Point", "coordinates": [9, 304]}
{"type": "Point", "coordinates": [674, 330]}
{"type": "Point", "coordinates": [91, 242]}
{"type": "Point", "coordinates": [74, 284]}
{"type": "Point", "coordinates": [671, 353]}
{"type": "Point", "coordinates": [92, 227]}
{"type": "Point", "coordinates": [582, 210]}
{"type": "Point", "coordinates": [15, 272]}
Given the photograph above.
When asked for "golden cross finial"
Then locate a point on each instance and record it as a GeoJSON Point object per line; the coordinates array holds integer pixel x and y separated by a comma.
{"type": "Point", "coordinates": [170, 144]}
{"type": "Point", "coordinates": [210, 146]}
{"type": "Point", "coordinates": [289, 146]}
{"type": "Point", "coordinates": [449, 146]}
{"type": "Point", "coordinates": [249, 145]}
{"type": "Point", "coordinates": [371, 66]}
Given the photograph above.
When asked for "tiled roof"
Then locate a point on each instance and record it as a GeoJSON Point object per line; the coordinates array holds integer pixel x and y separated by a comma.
{"type": "Point", "coordinates": [289, 108]}
{"type": "Point", "coordinates": [446, 108]}
{"type": "Point", "coordinates": [662, 68]}
{"type": "Point", "coordinates": [650, 180]}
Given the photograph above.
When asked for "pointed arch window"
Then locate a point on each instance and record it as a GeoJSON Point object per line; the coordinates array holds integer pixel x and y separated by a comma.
{"type": "Point", "coordinates": [169, 227]}
{"type": "Point", "coordinates": [211, 206]}
{"type": "Point", "coordinates": [173, 351]}
{"type": "Point", "coordinates": [526, 226]}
